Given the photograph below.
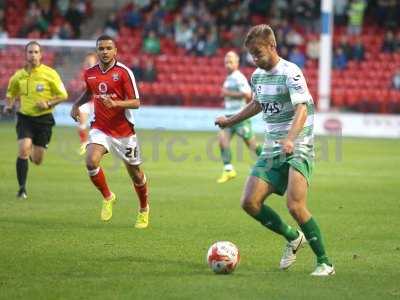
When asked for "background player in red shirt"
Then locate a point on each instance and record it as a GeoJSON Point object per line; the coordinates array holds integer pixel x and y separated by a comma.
{"type": "Point", "coordinates": [111, 85]}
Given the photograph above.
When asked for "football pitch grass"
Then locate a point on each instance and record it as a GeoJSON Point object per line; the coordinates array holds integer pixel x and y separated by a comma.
{"type": "Point", "coordinates": [53, 245]}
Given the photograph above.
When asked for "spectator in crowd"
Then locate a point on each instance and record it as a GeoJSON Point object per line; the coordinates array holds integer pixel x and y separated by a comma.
{"type": "Point", "coordinates": [63, 32]}
{"type": "Point", "coordinates": [346, 46]}
{"type": "Point", "coordinates": [387, 13]}
{"type": "Point", "coordinates": [142, 4]}
{"type": "Point", "coordinates": [389, 42]}
{"type": "Point", "coordinates": [280, 9]}
{"type": "Point", "coordinates": [46, 13]}
{"type": "Point", "coordinates": [224, 19]}
{"type": "Point", "coordinates": [200, 42]}
{"type": "Point", "coordinates": [62, 6]}
{"type": "Point", "coordinates": [293, 38]}
{"type": "Point", "coordinates": [397, 47]}
{"type": "Point", "coordinates": [259, 7]}
{"type": "Point", "coordinates": [188, 9]}
{"type": "Point", "coordinates": [133, 18]}
{"type": "Point", "coordinates": [306, 13]}
{"type": "Point", "coordinates": [151, 43]}
{"type": "Point", "coordinates": [297, 57]}
{"type": "Point", "coordinates": [358, 50]}
{"type": "Point", "coordinates": [170, 5]}
{"type": "Point", "coordinates": [340, 7]}
{"type": "Point", "coordinates": [238, 33]}
{"type": "Point", "coordinates": [149, 71]}
{"type": "Point", "coordinates": [111, 26]}
{"type": "Point", "coordinates": [312, 48]}
{"type": "Point", "coordinates": [396, 80]}
{"type": "Point", "coordinates": [339, 59]}
{"type": "Point", "coordinates": [2, 16]}
{"type": "Point", "coordinates": [356, 16]}
{"type": "Point", "coordinates": [3, 33]}
{"type": "Point", "coordinates": [211, 45]}
{"type": "Point", "coordinates": [183, 32]}
{"type": "Point", "coordinates": [137, 69]}
{"type": "Point", "coordinates": [284, 52]}
{"type": "Point", "coordinates": [34, 21]}
{"type": "Point", "coordinates": [74, 17]}
{"type": "Point", "coordinates": [153, 20]}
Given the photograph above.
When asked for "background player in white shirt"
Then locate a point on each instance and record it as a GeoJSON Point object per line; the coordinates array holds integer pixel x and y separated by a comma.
{"type": "Point", "coordinates": [237, 93]}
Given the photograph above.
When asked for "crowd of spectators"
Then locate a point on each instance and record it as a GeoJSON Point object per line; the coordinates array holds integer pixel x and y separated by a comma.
{"type": "Point", "coordinates": [57, 19]}
{"type": "Point", "coordinates": [202, 27]}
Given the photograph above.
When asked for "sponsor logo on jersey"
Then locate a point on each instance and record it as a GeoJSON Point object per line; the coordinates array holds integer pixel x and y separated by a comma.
{"type": "Point", "coordinates": [103, 88]}
{"type": "Point", "coordinates": [271, 108]}
{"type": "Point", "coordinates": [115, 76]}
{"type": "Point", "coordinates": [39, 87]}
{"type": "Point", "coordinates": [299, 88]}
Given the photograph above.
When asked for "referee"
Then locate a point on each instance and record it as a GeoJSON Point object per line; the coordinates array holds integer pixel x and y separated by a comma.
{"type": "Point", "coordinates": [38, 88]}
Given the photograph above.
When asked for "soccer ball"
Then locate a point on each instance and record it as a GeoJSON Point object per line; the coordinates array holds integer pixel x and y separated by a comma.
{"type": "Point", "coordinates": [223, 257]}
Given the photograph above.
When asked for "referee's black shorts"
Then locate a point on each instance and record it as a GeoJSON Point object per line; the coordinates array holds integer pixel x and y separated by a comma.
{"type": "Point", "coordinates": [37, 128]}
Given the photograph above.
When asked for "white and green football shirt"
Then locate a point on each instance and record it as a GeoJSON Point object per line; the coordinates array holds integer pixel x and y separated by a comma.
{"type": "Point", "coordinates": [236, 82]}
{"type": "Point", "coordinates": [278, 91]}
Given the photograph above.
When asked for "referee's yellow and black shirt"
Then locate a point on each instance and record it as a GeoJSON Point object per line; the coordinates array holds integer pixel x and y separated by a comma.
{"type": "Point", "coordinates": [41, 84]}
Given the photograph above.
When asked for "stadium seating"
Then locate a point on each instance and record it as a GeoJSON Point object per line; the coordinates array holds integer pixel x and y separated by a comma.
{"type": "Point", "coordinates": [196, 81]}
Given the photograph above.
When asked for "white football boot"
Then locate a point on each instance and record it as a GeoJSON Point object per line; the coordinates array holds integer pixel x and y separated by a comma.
{"type": "Point", "coordinates": [289, 253]}
{"type": "Point", "coordinates": [323, 270]}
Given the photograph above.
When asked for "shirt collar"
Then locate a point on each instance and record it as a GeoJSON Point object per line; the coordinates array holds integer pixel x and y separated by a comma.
{"type": "Point", "coordinates": [109, 68]}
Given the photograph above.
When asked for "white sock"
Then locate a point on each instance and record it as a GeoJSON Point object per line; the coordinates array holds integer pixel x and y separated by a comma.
{"type": "Point", "coordinates": [228, 167]}
{"type": "Point", "coordinates": [94, 172]}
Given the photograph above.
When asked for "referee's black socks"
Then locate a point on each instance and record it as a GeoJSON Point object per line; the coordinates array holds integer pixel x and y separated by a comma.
{"type": "Point", "coordinates": [22, 172]}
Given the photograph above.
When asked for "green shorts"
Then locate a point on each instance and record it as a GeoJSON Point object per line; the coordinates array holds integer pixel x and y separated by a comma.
{"type": "Point", "coordinates": [275, 170]}
{"type": "Point", "coordinates": [242, 129]}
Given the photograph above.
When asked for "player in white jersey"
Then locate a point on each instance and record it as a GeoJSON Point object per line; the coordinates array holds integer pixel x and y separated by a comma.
{"type": "Point", "coordinates": [285, 165]}
{"type": "Point", "coordinates": [237, 93]}
{"type": "Point", "coordinates": [86, 109]}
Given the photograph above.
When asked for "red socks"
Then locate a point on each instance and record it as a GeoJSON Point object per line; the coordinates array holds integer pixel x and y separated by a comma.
{"type": "Point", "coordinates": [142, 192]}
{"type": "Point", "coordinates": [99, 180]}
{"type": "Point", "coordinates": [83, 135]}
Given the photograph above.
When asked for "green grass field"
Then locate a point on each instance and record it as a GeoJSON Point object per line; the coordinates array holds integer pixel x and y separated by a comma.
{"type": "Point", "coordinates": [53, 245]}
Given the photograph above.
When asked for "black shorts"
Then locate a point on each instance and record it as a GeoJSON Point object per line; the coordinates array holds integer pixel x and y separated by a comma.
{"type": "Point", "coordinates": [37, 128]}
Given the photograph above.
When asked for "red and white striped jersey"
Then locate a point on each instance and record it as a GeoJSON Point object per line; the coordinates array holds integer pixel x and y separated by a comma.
{"type": "Point", "coordinates": [119, 83]}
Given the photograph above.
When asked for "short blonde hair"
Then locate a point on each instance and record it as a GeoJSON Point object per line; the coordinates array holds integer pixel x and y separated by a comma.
{"type": "Point", "coordinates": [262, 33]}
{"type": "Point", "coordinates": [232, 54]}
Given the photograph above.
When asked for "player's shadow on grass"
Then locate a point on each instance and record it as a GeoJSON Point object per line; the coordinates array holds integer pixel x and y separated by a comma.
{"type": "Point", "coordinates": [190, 268]}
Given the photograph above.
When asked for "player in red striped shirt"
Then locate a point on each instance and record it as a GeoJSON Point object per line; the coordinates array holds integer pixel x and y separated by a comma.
{"type": "Point", "coordinates": [111, 85]}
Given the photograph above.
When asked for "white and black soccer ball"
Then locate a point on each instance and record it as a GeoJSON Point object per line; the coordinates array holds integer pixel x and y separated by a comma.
{"type": "Point", "coordinates": [223, 257]}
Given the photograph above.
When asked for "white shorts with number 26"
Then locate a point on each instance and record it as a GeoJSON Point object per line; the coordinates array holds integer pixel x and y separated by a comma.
{"type": "Point", "coordinates": [126, 148]}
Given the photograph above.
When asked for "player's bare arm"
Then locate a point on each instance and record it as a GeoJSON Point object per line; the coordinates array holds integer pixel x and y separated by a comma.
{"type": "Point", "coordinates": [128, 103]}
{"type": "Point", "coordinates": [297, 126]}
{"type": "Point", "coordinates": [248, 111]}
{"type": "Point", "coordinates": [83, 98]}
